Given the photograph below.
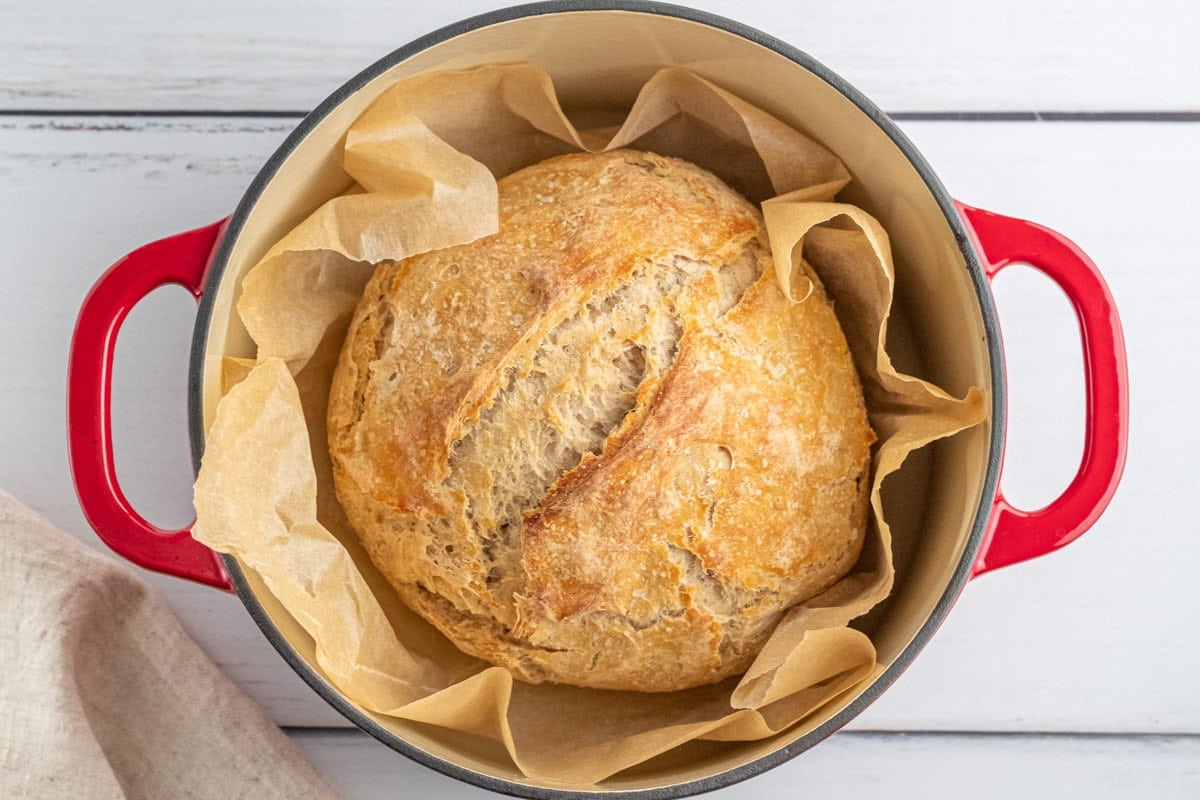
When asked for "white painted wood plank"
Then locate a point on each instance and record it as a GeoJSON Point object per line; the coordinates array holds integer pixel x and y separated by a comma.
{"type": "Point", "coordinates": [76, 195]}
{"type": "Point", "coordinates": [1073, 636]}
{"type": "Point", "coordinates": [854, 765]}
{"type": "Point", "coordinates": [920, 55]}
{"type": "Point", "coordinates": [1100, 637]}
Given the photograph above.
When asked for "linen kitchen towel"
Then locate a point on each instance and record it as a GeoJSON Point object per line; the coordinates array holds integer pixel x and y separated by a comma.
{"type": "Point", "coordinates": [104, 695]}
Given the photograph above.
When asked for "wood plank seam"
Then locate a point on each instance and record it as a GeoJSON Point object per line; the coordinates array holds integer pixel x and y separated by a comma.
{"type": "Point", "coordinates": [898, 116]}
{"type": "Point", "coordinates": [1142, 736]}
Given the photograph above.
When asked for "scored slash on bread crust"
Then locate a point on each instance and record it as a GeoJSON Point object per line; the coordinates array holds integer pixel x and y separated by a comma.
{"type": "Point", "coordinates": [600, 447]}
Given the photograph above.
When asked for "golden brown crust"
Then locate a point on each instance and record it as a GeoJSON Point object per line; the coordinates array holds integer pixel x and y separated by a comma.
{"type": "Point", "coordinates": [600, 447]}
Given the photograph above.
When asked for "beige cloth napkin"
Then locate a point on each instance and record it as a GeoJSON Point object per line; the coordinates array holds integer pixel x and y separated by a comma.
{"type": "Point", "coordinates": [103, 694]}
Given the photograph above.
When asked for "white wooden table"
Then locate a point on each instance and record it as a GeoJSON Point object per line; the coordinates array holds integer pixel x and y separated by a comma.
{"type": "Point", "coordinates": [1072, 676]}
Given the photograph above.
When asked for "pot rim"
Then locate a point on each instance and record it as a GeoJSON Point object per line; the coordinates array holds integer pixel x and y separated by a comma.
{"type": "Point", "coordinates": [962, 572]}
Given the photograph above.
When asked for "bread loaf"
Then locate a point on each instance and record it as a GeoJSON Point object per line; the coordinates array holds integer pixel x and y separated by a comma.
{"type": "Point", "coordinates": [600, 447]}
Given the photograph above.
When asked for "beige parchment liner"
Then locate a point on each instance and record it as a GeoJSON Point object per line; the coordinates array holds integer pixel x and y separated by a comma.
{"type": "Point", "coordinates": [424, 158]}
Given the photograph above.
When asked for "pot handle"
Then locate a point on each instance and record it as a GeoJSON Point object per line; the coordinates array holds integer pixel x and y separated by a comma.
{"type": "Point", "coordinates": [1014, 534]}
{"type": "Point", "coordinates": [182, 259]}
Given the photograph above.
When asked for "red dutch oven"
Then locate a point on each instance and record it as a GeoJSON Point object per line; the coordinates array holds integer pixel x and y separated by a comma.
{"type": "Point", "coordinates": [956, 523]}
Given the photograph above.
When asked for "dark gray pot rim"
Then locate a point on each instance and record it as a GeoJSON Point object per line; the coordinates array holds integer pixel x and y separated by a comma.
{"type": "Point", "coordinates": [982, 291]}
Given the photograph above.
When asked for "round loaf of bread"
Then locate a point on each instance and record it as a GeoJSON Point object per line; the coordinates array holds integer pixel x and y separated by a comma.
{"type": "Point", "coordinates": [600, 447]}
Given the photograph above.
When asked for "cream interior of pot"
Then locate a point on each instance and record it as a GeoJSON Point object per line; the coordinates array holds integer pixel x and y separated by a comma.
{"type": "Point", "coordinates": [599, 60]}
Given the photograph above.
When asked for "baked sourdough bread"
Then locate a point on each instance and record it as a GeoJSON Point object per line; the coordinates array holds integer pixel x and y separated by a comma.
{"type": "Point", "coordinates": [600, 447]}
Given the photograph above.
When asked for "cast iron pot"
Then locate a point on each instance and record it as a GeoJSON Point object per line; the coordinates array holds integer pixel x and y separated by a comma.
{"type": "Point", "coordinates": [944, 329]}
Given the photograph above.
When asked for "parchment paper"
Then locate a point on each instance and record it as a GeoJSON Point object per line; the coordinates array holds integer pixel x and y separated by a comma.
{"type": "Point", "coordinates": [424, 158]}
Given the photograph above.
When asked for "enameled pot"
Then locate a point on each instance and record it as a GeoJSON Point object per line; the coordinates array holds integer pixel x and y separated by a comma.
{"type": "Point", "coordinates": [954, 523]}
